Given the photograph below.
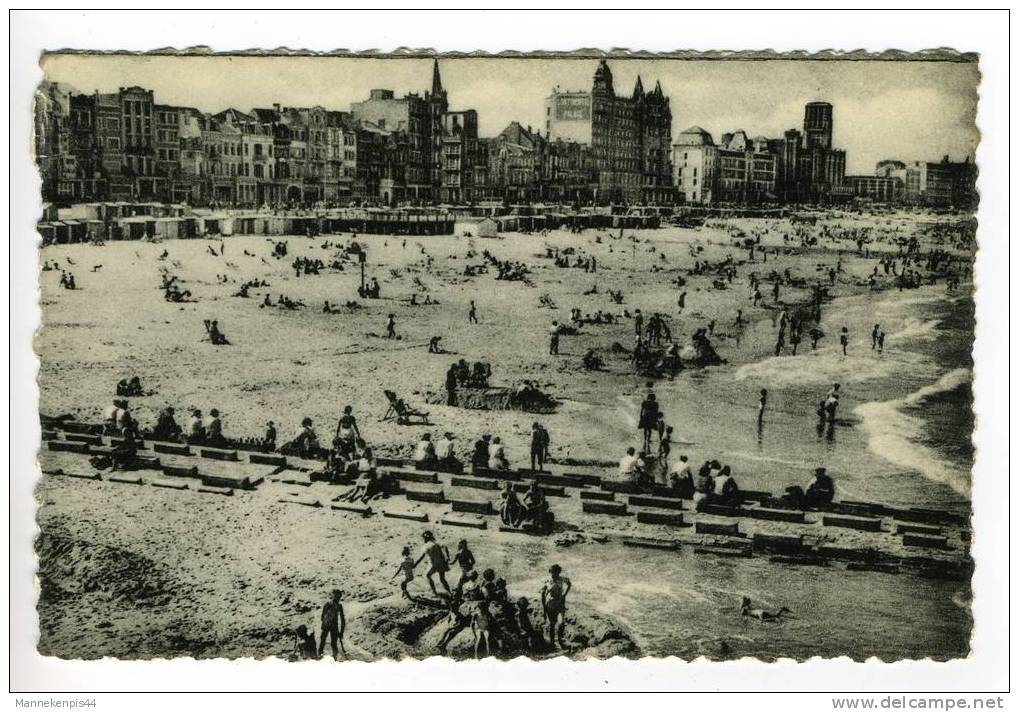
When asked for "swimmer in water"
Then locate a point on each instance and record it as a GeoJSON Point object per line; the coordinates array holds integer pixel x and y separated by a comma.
{"type": "Point", "coordinates": [747, 611]}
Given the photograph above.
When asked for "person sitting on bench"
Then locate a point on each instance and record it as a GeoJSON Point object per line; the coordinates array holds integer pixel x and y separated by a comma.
{"type": "Point", "coordinates": [447, 461]}
{"type": "Point", "coordinates": [726, 489]}
{"type": "Point", "coordinates": [511, 511]}
{"type": "Point", "coordinates": [535, 502]}
{"type": "Point", "coordinates": [479, 460]}
{"type": "Point", "coordinates": [497, 456]}
{"type": "Point", "coordinates": [269, 439]}
{"type": "Point", "coordinates": [167, 427]}
{"type": "Point", "coordinates": [125, 453]}
{"type": "Point", "coordinates": [424, 453]}
{"type": "Point", "coordinates": [113, 416]}
{"type": "Point", "coordinates": [214, 429]}
{"type": "Point", "coordinates": [821, 490]}
{"type": "Point", "coordinates": [196, 428]}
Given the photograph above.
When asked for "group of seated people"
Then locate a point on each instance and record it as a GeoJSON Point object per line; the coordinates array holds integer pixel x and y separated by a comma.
{"type": "Point", "coordinates": [372, 290]}
{"type": "Point", "coordinates": [130, 388]}
{"type": "Point", "coordinates": [307, 266]}
{"type": "Point", "coordinates": [438, 456]}
{"type": "Point", "coordinates": [599, 317]}
{"type": "Point", "coordinates": [534, 507]}
{"type": "Point", "coordinates": [489, 454]}
{"type": "Point", "coordinates": [284, 302]}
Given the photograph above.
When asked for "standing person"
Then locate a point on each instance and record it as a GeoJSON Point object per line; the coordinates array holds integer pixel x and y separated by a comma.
{"type": "Point", "coordinates": [407, 569]}
{"type": "Point", "coordinates": [438, 561]}
{"type": "Point", "coordinates": [347, 433]}
{"type": "Point", "coordinates": [664, 449]}
{"type": "Point", "coordinates": [682, 302]}
{"type": "Point", "coordinates": [553, 333]}
{"type": "Point", "coordinates": [333, 624]}
{"type": "Point", "coordinates": [391, 327]}
{"type": "Point", "coordinates": [472, 315]}
{"type": "Point", "coordinates": [873, 336]}
{"type": "Point", "coordinates": [844, 340]}
{"type": "Point", "coordinates": [638, 322]}
{"type": "Point", "coordinates": [553, 602]}
{"type": "Point", "coordinates": [648, 419]}
{"type": "Point", "coordinates": [761, 405]}
{"type": "Point", "coordinates": [465, 560]}
{"type": "Point", "coordinates": [881, 341]}
{"type": "Point", "coordinates": [539, 447]}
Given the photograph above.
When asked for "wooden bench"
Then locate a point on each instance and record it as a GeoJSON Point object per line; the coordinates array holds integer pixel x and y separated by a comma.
{"type": "Point", "coordinates": [475, 483]}
{"type": "Point", "coordinates": [598, 495]}
{"type": "Point", "coordinates": [718, 529]}
{"type": "Point", "coordinates": [636, 500]}
{"type": "Point", "coordinates": [776, 515]}
{"type": "Point", "coordinates": [471, 507]}
{"type": "Point", "coordinates": [666, 518]}
{"type": "Point", "coordinates": [925, 541]}
{"type": "Point", "coordinates": [218, 454]}
{"type": "Point", "coordinates": [778, 543]}
{"type": "Point", "coordinates": [172, 448]}
{"type": "Point", "coordinates": [435, 497]}
{"type": "Point", "coordinates": [863, 524]}
{"type": "Point", "coordinates": [68, 446]}
{"type": "Point", "coordinates": [617, 509]}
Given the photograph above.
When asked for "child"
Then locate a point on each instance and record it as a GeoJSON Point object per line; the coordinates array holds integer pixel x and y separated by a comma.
{"type": "Point", "coordinates": [480, 627]}
{"type": "Point", "coordinates": [304, 644]}
{"type": "Point", "coordinates": [407, 569]}
{"type": "Point", "coordinates": [465, 558]}
{"type": "Point", "coordinates": [664, 448]}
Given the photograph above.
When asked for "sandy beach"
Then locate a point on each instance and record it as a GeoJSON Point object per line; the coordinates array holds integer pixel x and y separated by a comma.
{"type": "Point", "coordinates": [157, 573]}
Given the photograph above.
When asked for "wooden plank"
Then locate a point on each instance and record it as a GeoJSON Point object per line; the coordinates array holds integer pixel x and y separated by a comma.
{"type": "Point", "coordinates": [91, 439]}
{"type": "Point", "coordinates": [218, 454]}
{"type": "Point", "coordinates": [303, 501]}
{"type": "Point", "coordinates": [126, 479]}
{"type": "Point", "coordinates": [225, 491]}
{"type": "Point", "coordinates": [928, 530]}
{"type": "Point", "coordinates": [473, 522]}
{"type": "Point", "coordinates": [719, 510]}
{"type": "Point", "coordinates": [361, 509]}
{"type": "Point", "coordinates": [778, 543]}
{"type": "Point", "coordinates": [718, 529]}
{"type": "Point", "coordinates": [426, 496]}
{"type": "Point", "coordinates": [754, 495]}
{"type": "Point", "coordinates": [598, 495]}
{"type": "Point", "coordinates": [70, 426]}
{"type": "Point", "coordinates": [863, 524]}
{"type": "Point", "coordinates": [507, 475]}
{"type": "Point", "coordinates": [617, 509]}
{"type": "Point", "coordinates": [224, 479]}
{"type": "Point", "coordinates": [414, 476]}
{"type": "Point", "coordinates": [76, 475]}
{"type": "Point", "coordinates": [642, 543]}
{"type": "Point", "coordinates": [476, 483]}
{"type": "Point", "coordinates": [402, 514]}
{"type": "Point", "coordinates": [666, 518]}
{"type": "Point", "coordinates": [925, 541]}
{"type": "Point", "coordinates": [179, 471]}
{"type": "Point", "coordinates": [460, 505]}
{"type": "Point", "coordinates": [620, 487]}
{"type": "Point", "coordinates": [722, 551]}
{"type": "Point", "coordinates": [266, 458]}
{"type": "Point", "coordinates": [546, 478]}
{"type": "Point", "coordinates": [776, 515]}
{"type": "Point", "coordinates": [172, 448]}
{"type": "Point", "coordinates": [585, 477]}
{"type": "Point", "coordinates": [656, 502]}
{"type": "Point", "coordinates": [170, 484]}
{"type": "Point", "coordinates": [849, 554]}
{"type": "Point", "coordinates": [68, 446]}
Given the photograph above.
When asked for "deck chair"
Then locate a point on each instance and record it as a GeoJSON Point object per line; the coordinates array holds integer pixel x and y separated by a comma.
{"type": "Point", "coordinates": [402, 412]}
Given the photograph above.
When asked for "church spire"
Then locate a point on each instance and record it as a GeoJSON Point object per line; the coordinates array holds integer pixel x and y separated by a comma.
{"type": "Point", "coordinates": [638, 89]}
{"type": "Point", "coordinates": [436, 80]}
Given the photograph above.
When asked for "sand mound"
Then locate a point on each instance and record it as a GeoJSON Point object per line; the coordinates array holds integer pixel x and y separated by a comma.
{"type": "Point", "coordinates": [399, 629]}
{"type": "Point", "coordinates": [70, 567]}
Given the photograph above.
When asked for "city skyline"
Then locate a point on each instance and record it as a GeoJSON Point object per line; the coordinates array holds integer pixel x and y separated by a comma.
{"type": "Point", "coordinates": [720, 96]}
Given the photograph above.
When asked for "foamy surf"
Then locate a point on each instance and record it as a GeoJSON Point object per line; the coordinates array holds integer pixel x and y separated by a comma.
{"type": "Point", "coordinates": [894, 434]}
{"type": "Point", "coordinates": [827, 366]}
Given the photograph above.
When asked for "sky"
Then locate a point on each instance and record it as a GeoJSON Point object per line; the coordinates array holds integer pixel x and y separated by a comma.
{"type": "Point", "coordinates": [918, 110]}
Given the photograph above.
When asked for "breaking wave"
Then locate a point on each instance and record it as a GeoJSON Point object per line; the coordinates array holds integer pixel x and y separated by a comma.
{"type": "Point", "coordinates": [894, 434]}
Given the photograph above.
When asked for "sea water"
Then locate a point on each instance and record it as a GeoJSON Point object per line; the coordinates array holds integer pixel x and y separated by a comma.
{"type": "Point", "coordinates": [902, 437]}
